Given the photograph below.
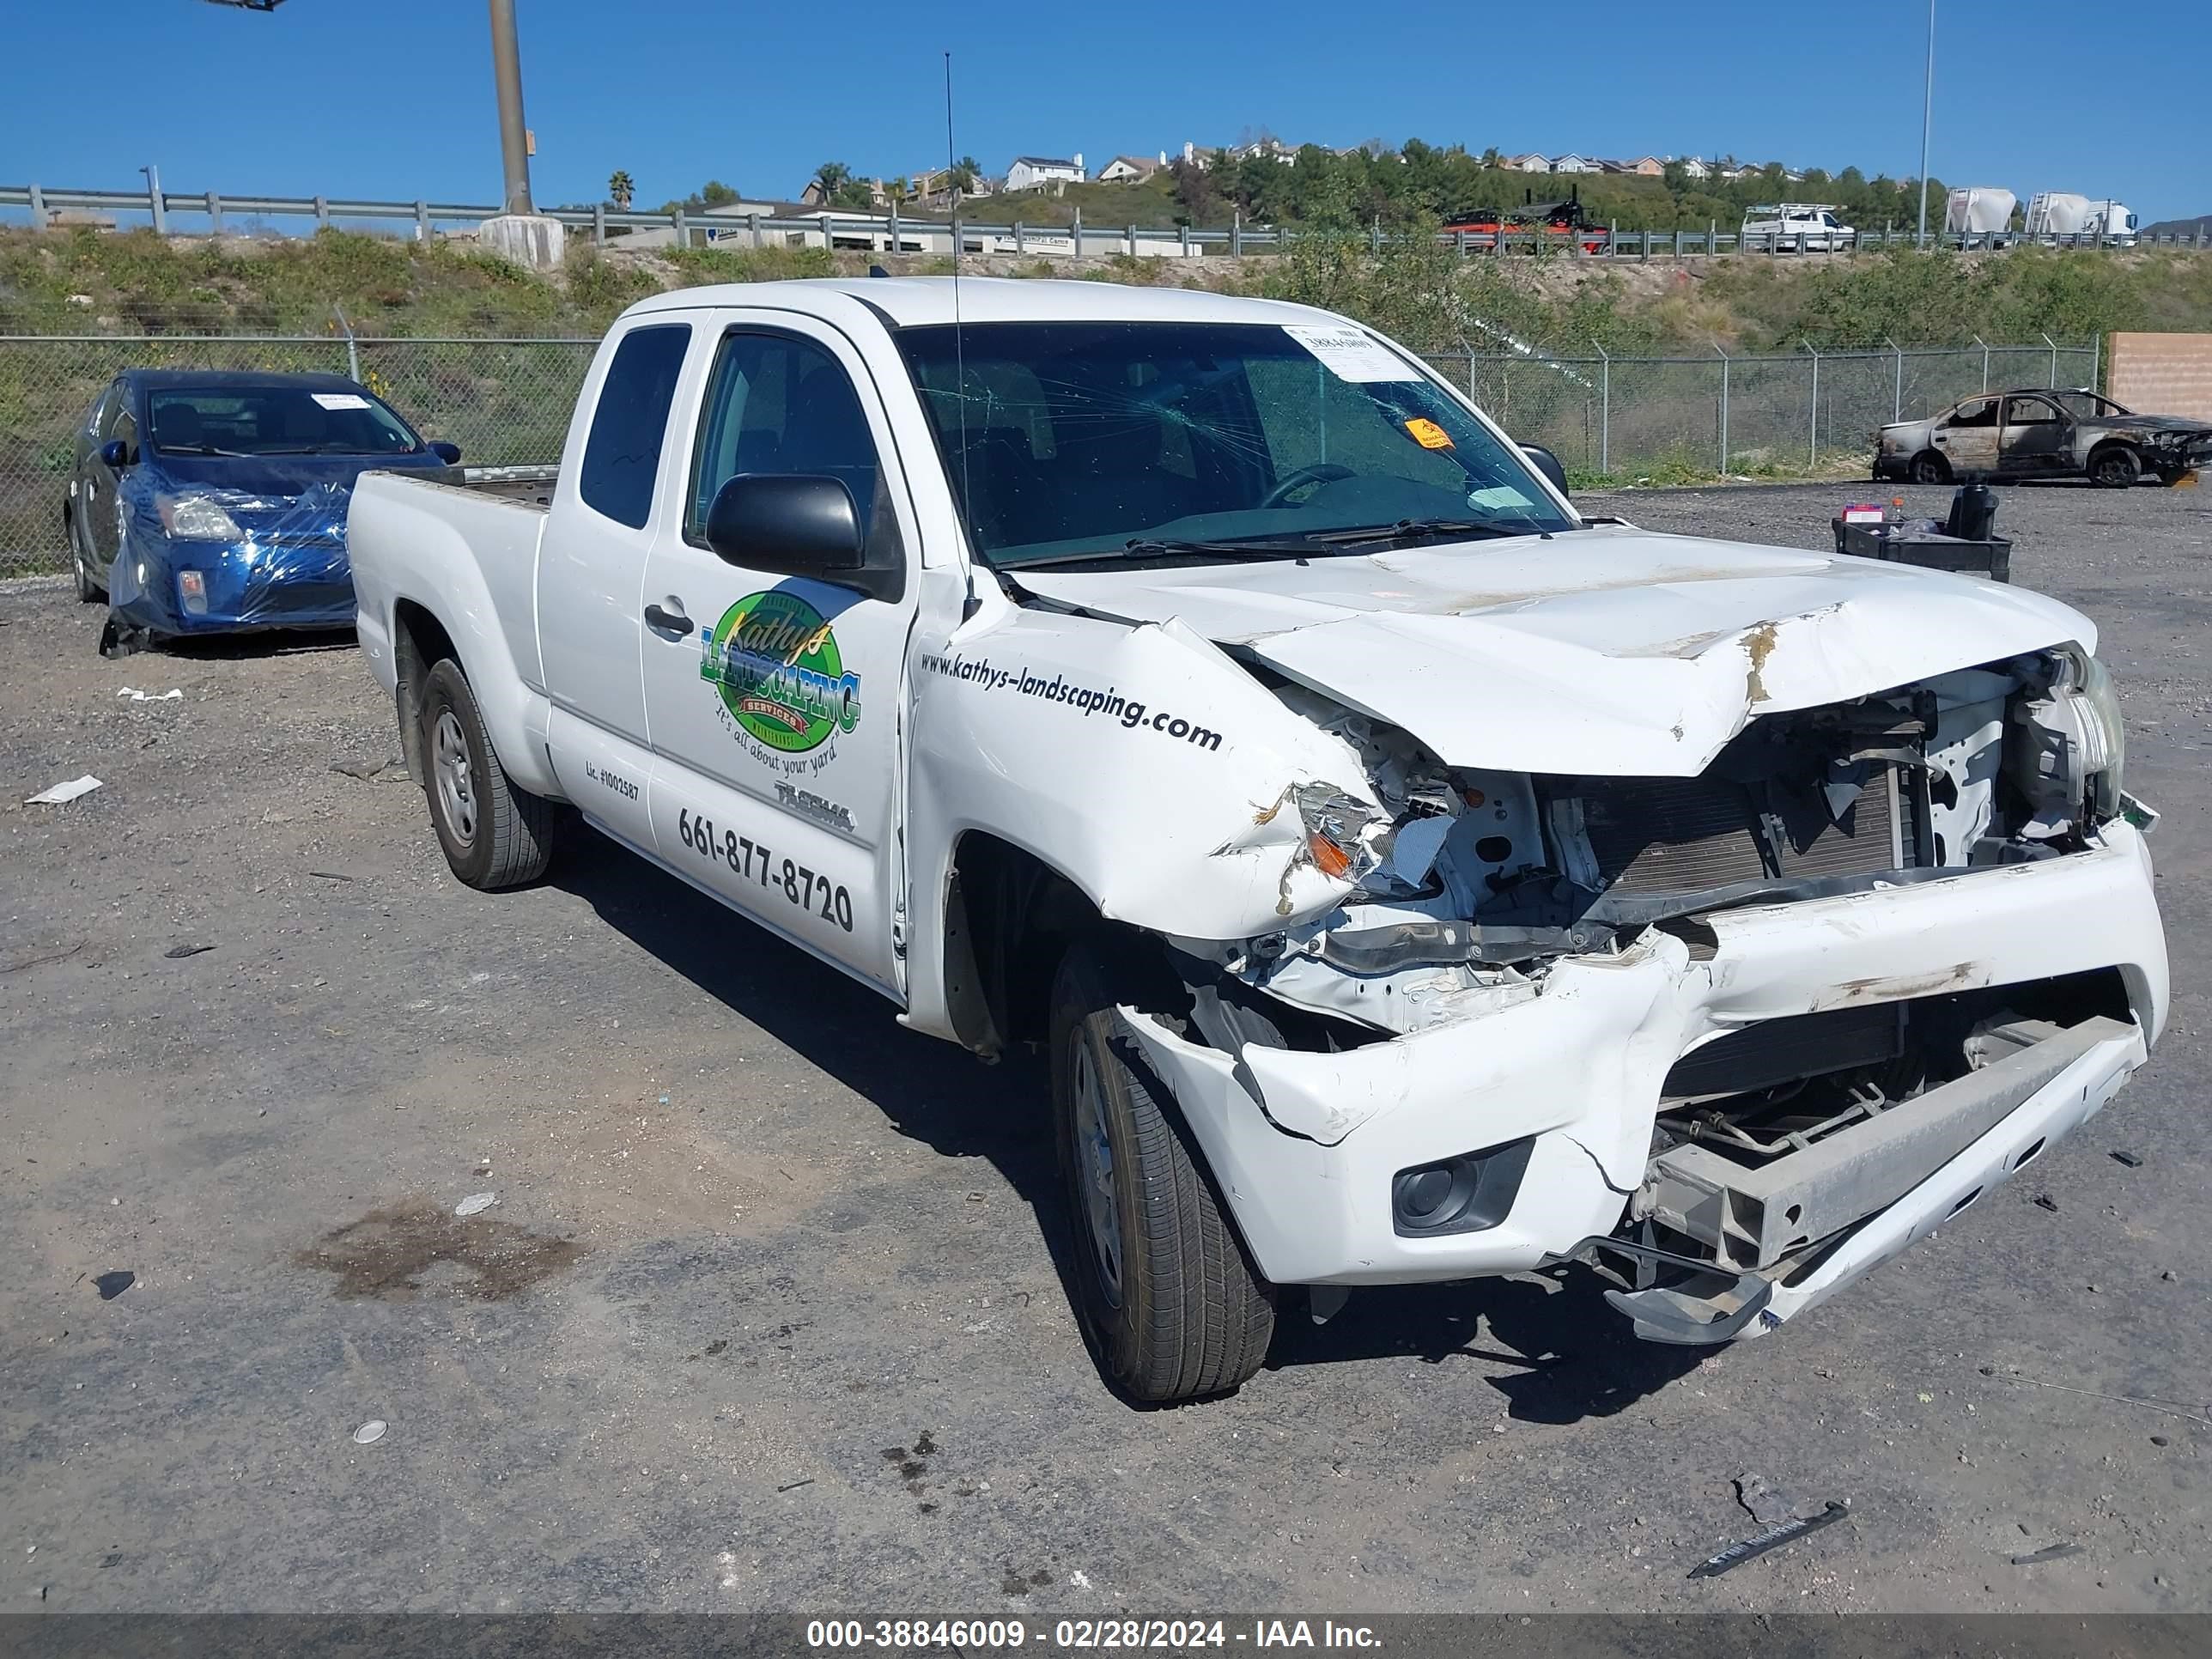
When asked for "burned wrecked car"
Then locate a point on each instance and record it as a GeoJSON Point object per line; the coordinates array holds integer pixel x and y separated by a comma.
{"type": "Point", "coordinates": [2045, 434]}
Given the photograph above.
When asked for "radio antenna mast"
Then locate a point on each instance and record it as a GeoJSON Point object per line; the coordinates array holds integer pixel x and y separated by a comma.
{"type": "Point", "coordinates": [959, 340]}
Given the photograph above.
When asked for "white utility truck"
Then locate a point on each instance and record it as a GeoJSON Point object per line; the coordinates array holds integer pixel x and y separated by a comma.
{"type": "Point", "coordinates": [1411, 879]}
{"type": "Point", "coordinates": [1794, 228]}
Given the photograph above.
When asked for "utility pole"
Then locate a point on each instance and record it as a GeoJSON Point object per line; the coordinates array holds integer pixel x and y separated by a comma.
{"type": "Point", "coordinates": [518, 232]}
{"type": "Point", "coordinates": [1927, 116]}
{"type": "Point", "coordinates": [514, 139]}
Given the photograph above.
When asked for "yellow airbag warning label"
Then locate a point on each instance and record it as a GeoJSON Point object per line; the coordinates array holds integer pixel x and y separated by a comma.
{"type": "Point", "coordinates": [1428, 434]}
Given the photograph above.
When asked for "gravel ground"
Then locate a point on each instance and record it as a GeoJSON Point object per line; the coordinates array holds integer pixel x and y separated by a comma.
{"type": "Point", "coordinates": [766, 1313]}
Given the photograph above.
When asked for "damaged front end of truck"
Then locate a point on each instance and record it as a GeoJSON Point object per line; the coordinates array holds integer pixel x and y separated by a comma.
{"type": "Point", "coordinates": [1731, 1035]}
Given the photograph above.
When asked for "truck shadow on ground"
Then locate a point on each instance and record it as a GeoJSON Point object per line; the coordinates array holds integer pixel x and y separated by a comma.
{"type": "Point", "coordinates": [1577, 1355]}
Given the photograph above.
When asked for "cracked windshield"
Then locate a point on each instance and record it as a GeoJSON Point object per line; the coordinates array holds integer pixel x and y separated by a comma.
{"type": "Point", "coordinates": [1069, 442]}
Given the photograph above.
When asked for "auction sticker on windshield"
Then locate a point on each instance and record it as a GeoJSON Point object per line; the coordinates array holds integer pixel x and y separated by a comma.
{"type": "Point", "coordinates": [1351, 355]}
{"type": "Point", "coordinates": [1497, 496]}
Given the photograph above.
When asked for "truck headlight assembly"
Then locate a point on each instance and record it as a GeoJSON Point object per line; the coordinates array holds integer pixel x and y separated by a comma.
{"type": "Point", "coordinates": [2068, 747]}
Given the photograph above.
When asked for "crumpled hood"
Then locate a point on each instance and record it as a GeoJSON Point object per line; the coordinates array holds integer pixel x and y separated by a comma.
{"type": "Point", "coordinates": [1609, 651]}
{"type": "Point", "coordinates": [2154, 424]}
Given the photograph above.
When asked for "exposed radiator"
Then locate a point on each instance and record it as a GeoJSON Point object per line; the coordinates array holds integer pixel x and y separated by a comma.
{"type": "Point", "coordinates": [1686, 834]}
{"type": "Point", "coordinates": [1780, 1050]}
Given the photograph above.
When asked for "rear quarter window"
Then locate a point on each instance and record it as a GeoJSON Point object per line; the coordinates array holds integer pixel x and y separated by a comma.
{"type": "Point", "coordinates": [622, 457]}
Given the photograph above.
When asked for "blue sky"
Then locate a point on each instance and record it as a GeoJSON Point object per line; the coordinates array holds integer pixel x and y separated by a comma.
{"type": "Point", "coordinates": [393, 99]}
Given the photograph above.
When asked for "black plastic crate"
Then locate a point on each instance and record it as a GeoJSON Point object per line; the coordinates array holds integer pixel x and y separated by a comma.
{"type": "Point", "coordinates": [1923, 544]}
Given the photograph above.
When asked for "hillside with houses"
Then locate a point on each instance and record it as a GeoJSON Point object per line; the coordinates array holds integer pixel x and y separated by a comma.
{"type": "Point", "coordinates": [1262, 179]}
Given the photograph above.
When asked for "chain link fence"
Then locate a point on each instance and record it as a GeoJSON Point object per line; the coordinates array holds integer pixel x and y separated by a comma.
{"type": "Point", "coordinates": [1779, 415]}
{"type": "Point", "coordinates": [507, 402]}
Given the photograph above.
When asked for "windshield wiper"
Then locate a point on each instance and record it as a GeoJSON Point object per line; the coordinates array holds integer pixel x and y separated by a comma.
{"type": "Point", "coordinates": [1414, 528]}
{"type": "Point", "coordinates": [1146, 547]}
{"type": "Point", "coordinates": [205, 449]}
{"type": "Point", "coordinates": [313, 449]}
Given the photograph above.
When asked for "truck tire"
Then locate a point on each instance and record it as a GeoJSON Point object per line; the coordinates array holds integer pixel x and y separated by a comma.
{"type": "Point", "coordinates": [2115, 466]}
{"type": "Point", "coordinates": [1171, 1304]}
{"type": "Point", "coordinates": [493, 834]}
{"type": "Point", "coordinates": [1929, 468]}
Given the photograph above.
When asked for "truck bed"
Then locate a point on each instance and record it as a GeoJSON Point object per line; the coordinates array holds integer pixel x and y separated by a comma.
{"type": "Point", "coordinates": [526, 486]}
{"type": "Point", "coordinates": [466, 551]}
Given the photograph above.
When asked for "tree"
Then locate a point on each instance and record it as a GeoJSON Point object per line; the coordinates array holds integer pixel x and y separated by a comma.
{"type": "Point", "coordinates": [620, 188]}
{"type": "Point", "coordinates": [1491, 158]}
{"type": "Point", "coordinates": [831, 176]}
{"type": "Point", "coordinates": [1196, 194]}
{"type": "Point", "coordinates": [716, 194]}
{"type": "Point", "coordinates": [964, 173]}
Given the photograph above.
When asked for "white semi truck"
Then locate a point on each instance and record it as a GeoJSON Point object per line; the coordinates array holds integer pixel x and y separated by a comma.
{"type": "Point", "coordinates": [1981, 214]}
{"type": "Point", "coordinates": [2060, 216]}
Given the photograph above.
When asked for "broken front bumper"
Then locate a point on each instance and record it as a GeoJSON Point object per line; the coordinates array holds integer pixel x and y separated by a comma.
{"type": "Point", "coordinates": [1305, 1145]}
{"type": "Point", "coordinates": [2028, 1100]}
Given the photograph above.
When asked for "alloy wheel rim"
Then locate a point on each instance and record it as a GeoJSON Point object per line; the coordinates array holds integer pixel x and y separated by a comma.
{"type": "Point", "coordinates": [457, 796]}
{"type": "Point", "coordinates": [1094, 1171]}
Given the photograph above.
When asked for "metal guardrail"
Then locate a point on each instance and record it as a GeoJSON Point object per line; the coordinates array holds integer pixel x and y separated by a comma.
{"type": "Point", "coordinates": [892, 232]}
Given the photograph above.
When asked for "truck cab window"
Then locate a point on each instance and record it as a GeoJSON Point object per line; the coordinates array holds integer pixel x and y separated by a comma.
{"type": "Point", "coordinates": [623, 456]}
{"type": "Point", "coordinates": [780, 404]}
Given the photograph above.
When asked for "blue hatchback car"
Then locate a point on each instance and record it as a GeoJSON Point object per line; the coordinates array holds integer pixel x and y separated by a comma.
{"type": "Point", "coordinates": [206, 502]}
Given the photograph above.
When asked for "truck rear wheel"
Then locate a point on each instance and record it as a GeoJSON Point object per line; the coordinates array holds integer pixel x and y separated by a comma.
{"type": "Point", "coordinates": [493, 834]}
{"type": "Point", "coordinates": [1169, 1303]}
{"type": "Point", "coordinates": [1929, 468]}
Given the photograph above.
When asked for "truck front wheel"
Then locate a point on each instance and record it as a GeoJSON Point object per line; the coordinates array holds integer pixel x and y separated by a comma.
{"type": "Point", "coordinates": [493, 834]}
{"type": "Point", "coordinates": [1169, 1303]}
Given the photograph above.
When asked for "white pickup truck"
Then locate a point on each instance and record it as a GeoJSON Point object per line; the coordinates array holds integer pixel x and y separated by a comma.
{"type": "Point", "coordinates": [1411, 879]}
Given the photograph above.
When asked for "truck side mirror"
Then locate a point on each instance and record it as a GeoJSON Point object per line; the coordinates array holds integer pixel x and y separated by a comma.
{"type": "Point", "coordinates": [1547, 464]}
{"type": "Point", "coordinates": [115, 454]}
{"type": "Point", "coordinates": [800, 524]}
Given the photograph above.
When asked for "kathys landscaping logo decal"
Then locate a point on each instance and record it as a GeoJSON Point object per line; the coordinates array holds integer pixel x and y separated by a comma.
{"type": "Point", "coordinates": [775, 662]}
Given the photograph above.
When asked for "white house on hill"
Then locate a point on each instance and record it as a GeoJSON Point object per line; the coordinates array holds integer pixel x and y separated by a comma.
{"type": "Point", "coordinates": [1038, 171]}
{"type": "Point", "coordinates": [1132, 168]}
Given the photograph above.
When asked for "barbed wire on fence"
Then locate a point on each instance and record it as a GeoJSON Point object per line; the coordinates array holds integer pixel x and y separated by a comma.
{"type": "Point", "coordinates": [508, 401]}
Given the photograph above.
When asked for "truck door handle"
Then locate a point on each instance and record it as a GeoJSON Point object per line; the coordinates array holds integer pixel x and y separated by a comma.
{"type": "Point", "coordinates": [667, 621]}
